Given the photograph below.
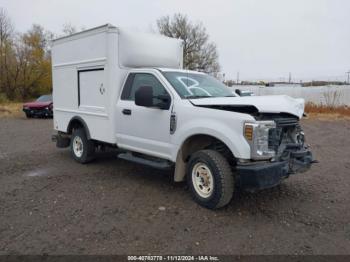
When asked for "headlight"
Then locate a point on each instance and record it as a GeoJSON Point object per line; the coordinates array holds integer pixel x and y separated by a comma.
{"type": "Point", "coordinates": [257, 135]}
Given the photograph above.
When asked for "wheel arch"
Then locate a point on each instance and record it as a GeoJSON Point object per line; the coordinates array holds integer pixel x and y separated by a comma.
{"type": "Point", "coordinates": [78, 121]}
{"type": "Point", "coordinates": [197, 142]}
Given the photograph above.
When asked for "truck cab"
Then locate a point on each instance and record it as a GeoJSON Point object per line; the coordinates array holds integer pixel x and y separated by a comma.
{"type": "Point", "coordinates": [141, 101]}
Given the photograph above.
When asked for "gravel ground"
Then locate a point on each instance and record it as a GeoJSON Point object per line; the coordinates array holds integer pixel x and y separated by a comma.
{"type": "Point", "coordinates": [50, 204]}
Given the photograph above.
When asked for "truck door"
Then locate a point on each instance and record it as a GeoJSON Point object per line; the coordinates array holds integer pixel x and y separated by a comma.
{"type": "Point", "coordinates": [143, 129]}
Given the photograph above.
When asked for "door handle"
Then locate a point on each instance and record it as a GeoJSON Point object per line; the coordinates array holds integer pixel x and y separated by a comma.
{"type": "Point", "coordinates": [126, 111]}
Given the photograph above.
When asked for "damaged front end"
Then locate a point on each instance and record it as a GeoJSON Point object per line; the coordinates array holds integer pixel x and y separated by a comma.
{"type": "Point", "coordinates": [276, 140]}
{"type": "Point", "coordinates": [278, 150]}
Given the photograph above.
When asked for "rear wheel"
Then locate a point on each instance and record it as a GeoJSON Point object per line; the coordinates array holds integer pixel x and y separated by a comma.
{"type": "Point", "coordinates": [210, 179]}
{"type": "Point", "coordinates": [28, 115]}
{"type": "Point", "coordinates": [82, 149]}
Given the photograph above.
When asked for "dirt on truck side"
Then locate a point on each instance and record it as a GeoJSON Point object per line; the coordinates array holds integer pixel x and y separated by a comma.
{"type": "Point", "coordinates": [49, 204]}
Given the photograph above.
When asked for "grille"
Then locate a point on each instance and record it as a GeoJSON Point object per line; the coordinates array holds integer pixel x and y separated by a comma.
{"type": "Point", "coordinates": [286, 122]}
{"type": "Point", "coordinates": [282, 126]}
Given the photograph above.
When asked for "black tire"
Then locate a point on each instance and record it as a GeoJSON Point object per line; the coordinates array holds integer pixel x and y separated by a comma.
{"type": "Point", "coordinates": [28, 115]}
{"type": "Point", "coordinates": [88, 147]}
{"type": "Point", "coordinates": [220, 169]}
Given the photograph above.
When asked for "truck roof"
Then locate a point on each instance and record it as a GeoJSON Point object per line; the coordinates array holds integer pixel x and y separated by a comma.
{"type": "Point", "coordinates": [85, 32]}
{"type": "Point", "coordinates": [164, 69]}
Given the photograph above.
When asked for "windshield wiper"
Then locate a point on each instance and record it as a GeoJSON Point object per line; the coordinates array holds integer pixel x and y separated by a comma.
{"type": "Point", "coordinates": [194, 97]}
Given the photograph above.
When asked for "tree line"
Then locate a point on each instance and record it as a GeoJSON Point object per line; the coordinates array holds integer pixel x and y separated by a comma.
{"type": "Point", "coordinates": [25, 58]}
{"type": "Point", "coordinates": [25, 61]}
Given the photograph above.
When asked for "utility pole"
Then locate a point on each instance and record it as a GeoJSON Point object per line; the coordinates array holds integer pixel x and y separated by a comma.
{"type": "Point", "coordinates": [348, 76]}
{"type": "Point", "coordinates": [290, 77]}
{"type": "Point", "coordinates": [237, 78]}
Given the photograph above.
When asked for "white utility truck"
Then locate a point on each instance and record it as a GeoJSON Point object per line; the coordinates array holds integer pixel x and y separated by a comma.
{"type": "Point", "coordinates": [128, 90]}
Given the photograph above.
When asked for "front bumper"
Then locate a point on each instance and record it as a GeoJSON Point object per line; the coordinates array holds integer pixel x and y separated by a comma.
{"type": "Point", "coordinates": [39, 112]}
{"type": "Point", "coordinates": [260, 175]}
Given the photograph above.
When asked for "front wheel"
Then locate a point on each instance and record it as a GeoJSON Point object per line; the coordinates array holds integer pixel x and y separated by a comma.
{"type": "Point", "coordinates": [82, 149]}
{"type": "Point", "coordinates": [210, 179]}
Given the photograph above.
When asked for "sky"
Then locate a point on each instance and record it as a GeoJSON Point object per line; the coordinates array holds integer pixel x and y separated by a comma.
{"type": "Point", "coordinates": [260, 39]}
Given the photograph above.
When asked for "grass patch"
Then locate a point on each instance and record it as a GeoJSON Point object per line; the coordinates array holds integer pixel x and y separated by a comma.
{"type": "Point", "coordinates": [11, 109]}
{"type": "Point", "coordinates": [328, 112]}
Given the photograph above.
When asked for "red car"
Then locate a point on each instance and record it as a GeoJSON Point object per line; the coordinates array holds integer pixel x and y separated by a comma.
{"type": "Point", "coordinates": [42, 107]}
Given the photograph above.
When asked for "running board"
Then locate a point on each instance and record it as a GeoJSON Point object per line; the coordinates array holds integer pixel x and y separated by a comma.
{"type": "Point", "coordinates": [157, 163]}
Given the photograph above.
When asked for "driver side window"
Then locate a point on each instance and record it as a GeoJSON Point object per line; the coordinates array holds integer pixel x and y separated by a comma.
{"type": "Point", "coordinates": [136, 80]}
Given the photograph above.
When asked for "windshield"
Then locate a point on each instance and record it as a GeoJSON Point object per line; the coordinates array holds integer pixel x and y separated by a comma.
{"type": "Point", "coordinates": [191, 85]}
{"type": "Point", "coordinates": [45, 98]}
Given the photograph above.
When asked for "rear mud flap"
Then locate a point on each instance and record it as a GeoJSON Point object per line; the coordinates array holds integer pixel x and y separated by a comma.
{"type": "Point", "coordinates": [62, 141]}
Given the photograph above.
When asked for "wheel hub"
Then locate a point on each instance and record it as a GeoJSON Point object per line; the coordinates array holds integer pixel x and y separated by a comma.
{"type": "Point", "coordinates": [78, 146]}
{"type": "Point", "coordinates": [202, 180]}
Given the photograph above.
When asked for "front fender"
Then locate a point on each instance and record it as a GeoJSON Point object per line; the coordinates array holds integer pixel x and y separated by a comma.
{"type": "Point", "coordinates": [230, 135]}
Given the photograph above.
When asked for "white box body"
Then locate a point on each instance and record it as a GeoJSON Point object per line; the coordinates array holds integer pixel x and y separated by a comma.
{"type": "Point", "coordinates": [89, 69]}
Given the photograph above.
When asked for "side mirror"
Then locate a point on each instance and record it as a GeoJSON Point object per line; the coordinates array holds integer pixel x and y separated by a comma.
{"type": "Point", "coordinates": [144, 96]}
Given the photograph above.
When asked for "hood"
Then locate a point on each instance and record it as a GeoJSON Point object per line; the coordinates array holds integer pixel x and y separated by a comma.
{"type": "Point", "coordinates": [37, 104]}
{"type": "Point", "coordinates": [264, 104]}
